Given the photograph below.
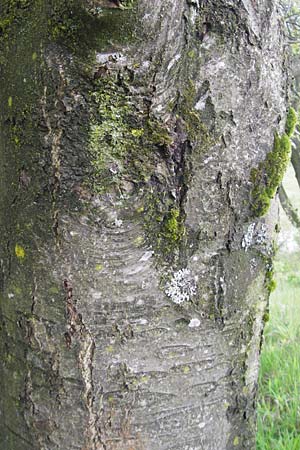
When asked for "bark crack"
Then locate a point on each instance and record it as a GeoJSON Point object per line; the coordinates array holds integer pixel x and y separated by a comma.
{"type": "Point", "coordinates": [77, 329]}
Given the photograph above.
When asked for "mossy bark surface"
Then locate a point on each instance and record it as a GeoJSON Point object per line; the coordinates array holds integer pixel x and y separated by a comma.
{"type": "Point", "coordinates": [134, 277]}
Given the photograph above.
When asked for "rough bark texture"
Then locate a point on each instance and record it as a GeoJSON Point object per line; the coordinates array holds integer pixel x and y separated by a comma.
{"type": "Point", "coordinates": [134, 277]}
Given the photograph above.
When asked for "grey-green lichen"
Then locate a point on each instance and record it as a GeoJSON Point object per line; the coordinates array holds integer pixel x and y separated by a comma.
{"type": "Point", "coordinates": [181, 288]}
{"type": "Point", "coordinates": [123, 140]}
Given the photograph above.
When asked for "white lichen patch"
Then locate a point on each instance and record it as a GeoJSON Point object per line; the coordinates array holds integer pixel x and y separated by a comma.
{"type": "Point", "coordinates": [181, 287]}
{"type": "Point", "coordinates": [262, 235]}
{"type": "Point", "coordinates": [103, 58]}
{"type": "Point", "coordinates": [142, 321]}
{"type": "Point", "coordinates": [118, 223]}
{"type": "Point", "coordinates": [194, 323]}
{"type": "Point", "coordinates": [248, 237]}
{"type": "Point", "coordinates": [257, 235]}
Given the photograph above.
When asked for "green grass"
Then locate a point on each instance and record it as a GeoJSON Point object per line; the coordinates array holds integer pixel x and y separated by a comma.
{"type": "Point", "coordinates": [279, 380]}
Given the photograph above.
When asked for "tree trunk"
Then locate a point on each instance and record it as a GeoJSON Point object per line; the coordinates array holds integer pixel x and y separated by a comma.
{"type": "Point", "coordinates": [134, 270]}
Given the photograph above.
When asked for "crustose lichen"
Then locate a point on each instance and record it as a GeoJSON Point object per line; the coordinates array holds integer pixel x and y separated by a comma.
{"type": "Point", "coordinates": [181, 287]}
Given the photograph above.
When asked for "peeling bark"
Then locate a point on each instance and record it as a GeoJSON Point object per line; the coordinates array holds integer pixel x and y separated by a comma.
{"type": "Point", "coordinates": [134, 277]}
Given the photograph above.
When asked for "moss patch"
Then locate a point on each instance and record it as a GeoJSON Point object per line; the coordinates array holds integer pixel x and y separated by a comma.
{"type": "Point", "coordinates": [236, 441]}
{"type": "Point", "coordinates": [266, 317]}
{"type": "Point", "coordinates": [164, 226]}
{"type": "Point", "coordinates": [291, 122]}
{"type": "Point", "coordinates": [269, 174]}
{"type": "Point", "coordinates": [269, 280]}
{"type": "Point", "coordinates": [196, 130]}
{"type": "Point", "coordinates": [173, 228]}
{"type": "Point", "coordinates": [19, 252]}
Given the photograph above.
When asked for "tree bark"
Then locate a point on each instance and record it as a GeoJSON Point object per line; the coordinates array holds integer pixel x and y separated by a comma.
{"type": "Point", "coordinates": [134, 275]}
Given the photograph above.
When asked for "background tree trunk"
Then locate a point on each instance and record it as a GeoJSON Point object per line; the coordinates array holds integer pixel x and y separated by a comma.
{"type": "Point", "coordinates": [134, 274]}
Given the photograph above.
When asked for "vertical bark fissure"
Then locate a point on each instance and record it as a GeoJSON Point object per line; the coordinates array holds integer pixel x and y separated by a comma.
{"type": "Point", "coordinates": [78, 330]}
{"type": "Point", "coordinates": [86, 356]}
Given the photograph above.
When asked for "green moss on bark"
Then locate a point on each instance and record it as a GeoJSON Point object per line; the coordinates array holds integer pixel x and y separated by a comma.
{"type": "Point", "coordinates": [173, 228]}
{"type": "Point", "coordinates": [196, 130]}
{"type": "Point", "coordinates": [164, 227]}
{"type": "Point", "coordinates": [270, 282]}
{"type": "Point", "coordinates": [269, 174]}
{"type": "Point", "coordinates": [291, 122]}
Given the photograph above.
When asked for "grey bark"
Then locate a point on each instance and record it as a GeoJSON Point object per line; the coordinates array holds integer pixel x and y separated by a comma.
{"type": "Point", "coordinates": [96, 352]}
